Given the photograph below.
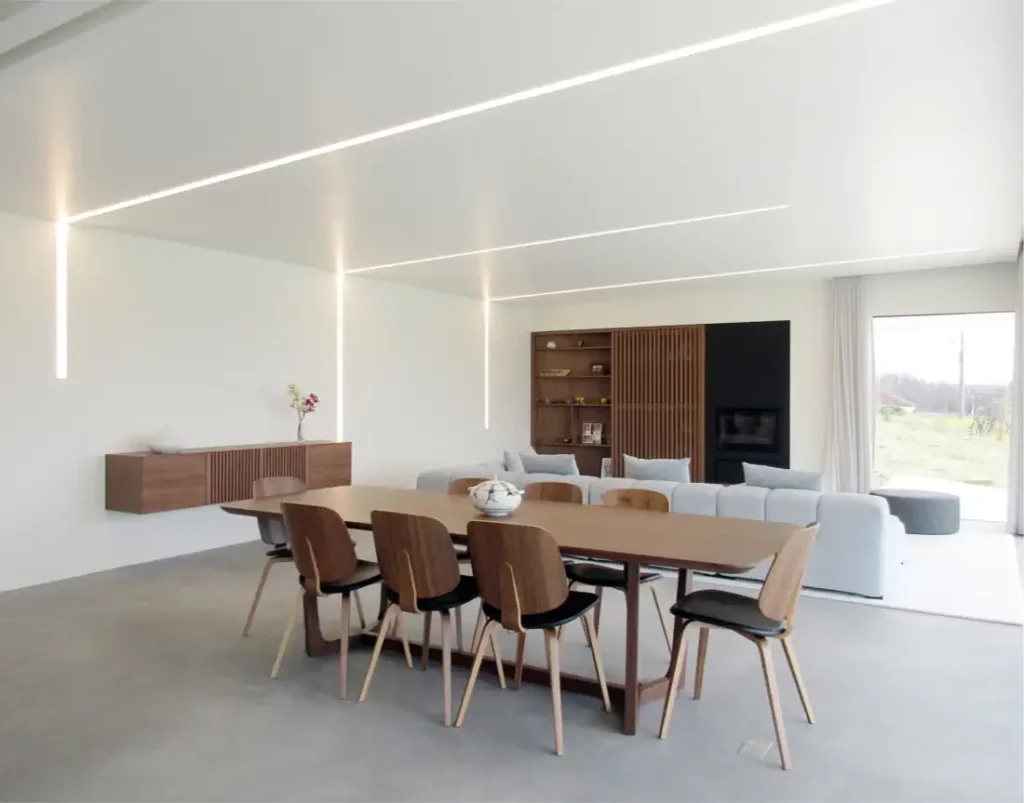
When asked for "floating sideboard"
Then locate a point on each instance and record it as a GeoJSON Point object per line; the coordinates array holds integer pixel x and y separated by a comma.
{"type": "Point", "coordinates": [147, 482]}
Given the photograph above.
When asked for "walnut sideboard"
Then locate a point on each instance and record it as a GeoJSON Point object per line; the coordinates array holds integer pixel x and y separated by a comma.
{"type": "Point", "coordinates": [146, 482]}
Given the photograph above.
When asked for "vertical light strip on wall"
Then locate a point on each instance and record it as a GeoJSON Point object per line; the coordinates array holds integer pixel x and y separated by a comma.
{"type": "Point", "coordinates": [60, 290]}
{"type": "Point", "coordinates": [487, 363]}
{"type": "Point", "coordinates": [339, 360]}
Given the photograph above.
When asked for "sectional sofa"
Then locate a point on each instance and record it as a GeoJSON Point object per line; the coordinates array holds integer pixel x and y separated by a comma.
{"type": "Point", "coordinates": [859, 545]}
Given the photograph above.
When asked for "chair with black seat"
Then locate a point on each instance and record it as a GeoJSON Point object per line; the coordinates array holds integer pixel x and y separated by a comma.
{"type": "Point", "coordinates": [326, 559]}
{"type": "Point", "coordinates": [420, 575]}
{"type": "Point", "coordinates": [602, 576]}
{"type": "Point", "coordinates": [460, 487]}
{"type": "Point", "coordinates": [523, 587]}
{"type": "Point", "coordinates": [769, 616]}
{"type": "Point", "coordinates": [274, 534]}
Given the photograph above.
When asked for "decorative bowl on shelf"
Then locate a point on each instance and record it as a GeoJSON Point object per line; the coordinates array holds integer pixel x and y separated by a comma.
{"type": "Point", "coordinates": [495, 497]}
{"type": "Point", "coordinates": [554, 372]}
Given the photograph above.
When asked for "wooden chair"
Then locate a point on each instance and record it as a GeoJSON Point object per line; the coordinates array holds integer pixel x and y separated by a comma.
{"type": "Point", "coordinates": [326, 559]}
{"type": "Point", "coordinates": [602, 576]}
{"type": "Point", "coordinates": [769, 616]}
{"type": "Point", "coordinates": [554, 492]}
{"type": "Point", "coordinates": [275, 536]}
{"type": "Point", "coordinates": [420, 575]}
{"type": "Point", "coordinates": [461, 486]}
{"type": "Point", "coordinates": [523, 587]}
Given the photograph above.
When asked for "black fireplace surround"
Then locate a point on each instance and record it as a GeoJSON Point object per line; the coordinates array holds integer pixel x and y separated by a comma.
{"type": "Point", "coordinates": [746, 397]}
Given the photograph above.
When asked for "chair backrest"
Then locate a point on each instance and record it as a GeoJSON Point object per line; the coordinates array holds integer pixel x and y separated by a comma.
{"type": "Point", "coordinates": [273, 532]}
{"type": "Point", "coordinates": [277, 486]}
{"type": "Point", "coordinates": [462, 485]}
{"type": "Point", "coordinates": [518, 568]}
{"type": "Point", "coordinates": [416, 556]}
{"type": "Point", "coordinates": [321, 544]}
{"type": "Point", "coordinates": [637, 499]}
{"type": "Point", "coordinates": [782, 585]}
{"type": "Point", "coordinates": [553, 492]}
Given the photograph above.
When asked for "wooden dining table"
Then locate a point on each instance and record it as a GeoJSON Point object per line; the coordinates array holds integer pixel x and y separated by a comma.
{"type": "Point", "coordinates": [635, 538]}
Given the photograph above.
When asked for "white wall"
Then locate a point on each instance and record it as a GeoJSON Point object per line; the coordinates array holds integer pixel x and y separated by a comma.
{"type": "Point", "coordinates": [414, 380]}
{"type": "Point", "coordinates": [805, 303]}
{"type": "Point", "coordinates": [160, 333]}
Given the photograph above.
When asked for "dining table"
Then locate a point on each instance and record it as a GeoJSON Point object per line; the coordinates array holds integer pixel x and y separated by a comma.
{"type": "Point", "coordinates": [635, 538]}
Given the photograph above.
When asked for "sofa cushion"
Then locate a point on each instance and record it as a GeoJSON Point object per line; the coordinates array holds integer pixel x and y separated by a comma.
{"type": "Point", "coordinates": [698, 498]}
{"type": "Point", "coordinates": [513, 462]}
{"type": "Point", "coordinates": [792, 506]}
{"type": "Point", "coordinates": [549, 463]}
{"type": "Point", "coordinates": [772, 477]}
{"type": "Point", "coordinates": [742, 502]}
{"type": "Point", "coordinates": [636, 468]}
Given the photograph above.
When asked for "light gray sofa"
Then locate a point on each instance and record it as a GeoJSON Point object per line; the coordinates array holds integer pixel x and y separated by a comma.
{"type": "Point", "coordinates": [859, 546]}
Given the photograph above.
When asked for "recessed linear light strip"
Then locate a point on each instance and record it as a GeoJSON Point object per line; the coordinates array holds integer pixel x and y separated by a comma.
{"type": "Point", "coordinates": [571, 238]}
{"type": "Point", "coordinates": [719, 43]}
{"type": "Point", "coordinates": [60, 295]}
{"type": "Point", "coordinates": [487, 363]}
{"type": "Point", "coordinates": [837, 263]}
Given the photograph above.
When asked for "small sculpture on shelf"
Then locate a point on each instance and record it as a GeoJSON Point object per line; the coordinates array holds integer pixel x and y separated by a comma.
{"type": "Point", "coordinates": [606, 400]}
{"type": "Point", "coordinates": [581, 400]}
{"type": "Point", "coordinates": [566, 440]}
{"type": "Point", "coordinates": [579, 344]}
{"type": "Point", "coordinates": [551, 344]}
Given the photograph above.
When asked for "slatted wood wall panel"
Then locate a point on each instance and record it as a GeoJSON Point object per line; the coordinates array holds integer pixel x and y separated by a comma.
{"type": "Point", "coordinates": [231, 474]}
{"type": "Point", "coordinates": [283, 461]}
{"type": "Point", "coordinates": [658, 395]}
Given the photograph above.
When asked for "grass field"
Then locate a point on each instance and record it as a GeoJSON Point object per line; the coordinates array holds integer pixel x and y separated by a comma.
{"type": "Point", "coordinates": [939, 447]}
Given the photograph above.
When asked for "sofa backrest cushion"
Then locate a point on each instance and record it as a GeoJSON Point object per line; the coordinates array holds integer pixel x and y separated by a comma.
{"type": "Point", "coordinates": [772, 477]}
{"type": "Point", "coordinates": [742, 502]}
{"type": "Point", "coordinates": [513, 462]}
{"type": "Point", "coordinates": [564, 464]}
{"type": "Point", "coordinates": [635, 468]}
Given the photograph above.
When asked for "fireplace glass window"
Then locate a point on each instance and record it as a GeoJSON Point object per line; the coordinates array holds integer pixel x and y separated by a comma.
{"type": "Point", "coordinates": [748, 430]}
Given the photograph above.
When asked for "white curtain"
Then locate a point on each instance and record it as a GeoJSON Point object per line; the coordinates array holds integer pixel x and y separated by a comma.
{"type": "Point", "coordinates": [851, 421]}
{"type": "Point", "coordinates": [1015, 517]}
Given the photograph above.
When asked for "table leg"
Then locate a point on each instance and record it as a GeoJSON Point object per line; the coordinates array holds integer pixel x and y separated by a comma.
{"type": "Point", "coordinates": [316, 644]}
{"type": "Point", "coordinates": [631, 690]}
{"type": "Point", "coordinates": [683, 587]}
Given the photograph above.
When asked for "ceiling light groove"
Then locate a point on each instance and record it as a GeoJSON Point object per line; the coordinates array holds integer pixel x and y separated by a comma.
{"type": "Point", "coordinates": [573, 238]}
{"type": "Point", "coordinates": [718, 43]}
{"type": "Point", "coordinates": [677, 279]}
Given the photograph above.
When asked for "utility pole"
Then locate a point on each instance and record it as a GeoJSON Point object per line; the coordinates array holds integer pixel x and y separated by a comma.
{"type": "Point", "coordinates": [963, 388]}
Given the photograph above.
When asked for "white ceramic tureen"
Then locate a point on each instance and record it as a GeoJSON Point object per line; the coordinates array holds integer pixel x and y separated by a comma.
{"type": "Point", "coordinates": [495, 497]}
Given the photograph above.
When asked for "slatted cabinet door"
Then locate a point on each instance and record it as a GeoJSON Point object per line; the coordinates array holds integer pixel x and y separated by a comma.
{"type": "Point", "coordinates": [658, 395]}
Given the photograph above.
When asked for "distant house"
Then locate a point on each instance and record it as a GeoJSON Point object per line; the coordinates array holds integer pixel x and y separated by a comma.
{"type": "Point", "coordinates": [886, 399]}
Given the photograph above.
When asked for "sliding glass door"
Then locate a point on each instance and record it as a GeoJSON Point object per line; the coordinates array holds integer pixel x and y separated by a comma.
{"type": "Point", "coordinates": [943, 412]}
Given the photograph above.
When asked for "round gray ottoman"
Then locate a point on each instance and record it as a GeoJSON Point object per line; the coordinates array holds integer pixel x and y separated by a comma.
{"type": "Point", "coordinates": [923, 512]}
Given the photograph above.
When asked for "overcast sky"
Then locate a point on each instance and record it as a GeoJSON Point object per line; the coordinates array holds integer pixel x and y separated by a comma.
{"type": "Point", "coordinates": [928, 346]}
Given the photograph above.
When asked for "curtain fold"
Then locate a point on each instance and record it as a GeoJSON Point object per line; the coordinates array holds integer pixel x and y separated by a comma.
{"type": "Point", "coordinates": [851, 420]}
{"type": "Point", "coordinates": [1015, 514]}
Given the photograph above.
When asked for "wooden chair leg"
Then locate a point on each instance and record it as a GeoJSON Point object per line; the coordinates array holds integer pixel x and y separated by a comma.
{"type": "Point", "coordinates": [478, 658]}
{"type": "Point", "coordinates": [661, 618]}
{"type": "Point", "coordinates": [382, 633]}
{"type": "Point", "coordinates": [702, 654]}
{"type": "Point", "coordinates": [478, 630]}
{"type": "Point", "coordinates": [798, 678]}
{"type": "Point", "coordinates": [400, 629]}
{"type": "Point", "coordinates": [458, 629]}
{"type": "Point", "coordinates": [287, 634]}
{"type": "Point", "coordinates": [359, 611]}
{"type": "Point", "coordinates": [346, 624]}
{"type": "Point", "coordinates": [256, 598]}
{"type": "Point", "coordinates": [674, 672]}
{"type": "Point", "coordinates": [425, 649]}
{"type": "Point", "coordinates": [520, 655]}
{"type": "Point", "coordinates": [446, 665]}
{"type": "Point", "coordinates": [496, 651]}
{"type": "Point", "coordinates": [595, 651]}
{"type": "Point", "coordinates": [554, 668]}
{"type": "Point", "coordinates": [597, 608]}
{"type": "Point", "coordinates": [772, 687]}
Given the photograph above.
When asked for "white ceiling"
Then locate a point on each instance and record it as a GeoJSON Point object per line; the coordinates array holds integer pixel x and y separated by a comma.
{"type": "Point", "coordinates": [893, 131]}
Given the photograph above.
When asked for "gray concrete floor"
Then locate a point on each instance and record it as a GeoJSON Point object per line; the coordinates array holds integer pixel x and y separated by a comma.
{"type": "Point", "coordinates": [135, 685]}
